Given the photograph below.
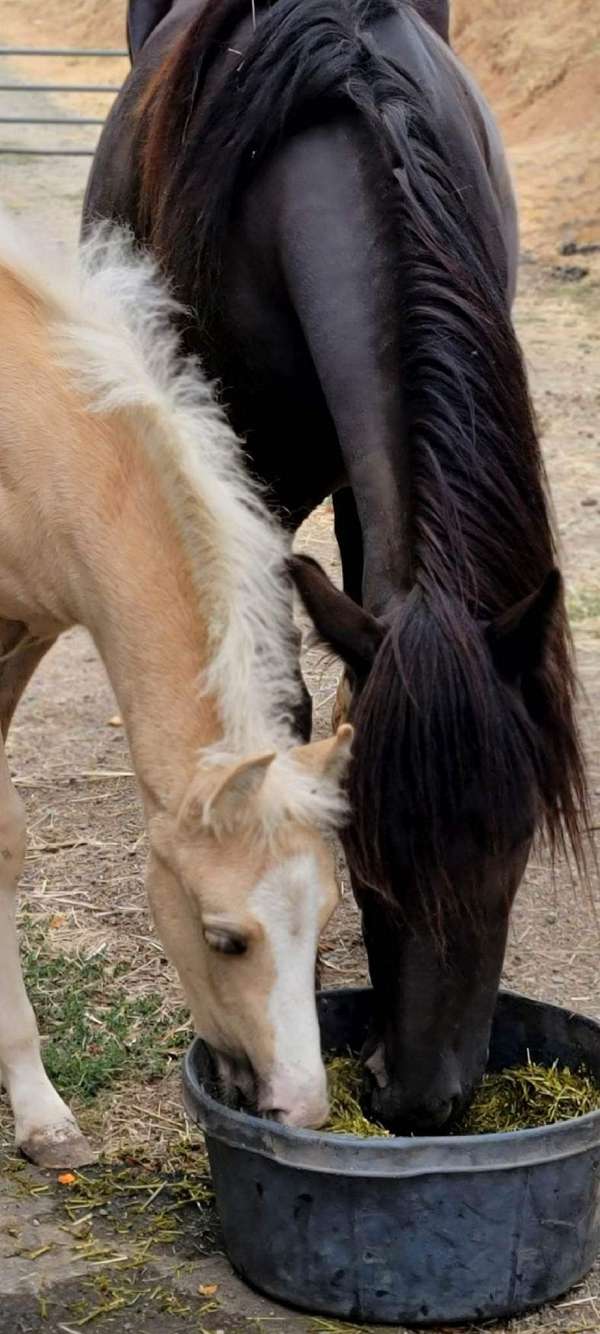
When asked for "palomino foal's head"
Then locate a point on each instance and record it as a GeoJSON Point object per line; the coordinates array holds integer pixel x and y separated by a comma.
{"type": "Point", "coordinates": [251, 885]}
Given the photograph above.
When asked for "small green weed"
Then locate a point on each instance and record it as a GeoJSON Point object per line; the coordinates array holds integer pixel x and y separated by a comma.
{"type": "Point", "coordinates": [95, 1034]}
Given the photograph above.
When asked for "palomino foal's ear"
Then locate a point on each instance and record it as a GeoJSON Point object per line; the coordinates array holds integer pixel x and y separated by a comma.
{"type": "Point", "coordinates": [517, 638]}
{"type": "Point", "coordinates": [218, 796]}
{"type": "Point", "coordinates": [329, 758]}
{"type": "Point", "coordinates": [353, 633]}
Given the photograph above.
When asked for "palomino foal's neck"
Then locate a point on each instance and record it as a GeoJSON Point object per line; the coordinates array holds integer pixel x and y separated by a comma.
{"type": "Point", "coordinates": [146, 618]}
{"type": "Point", "coordinates": [89, 525]}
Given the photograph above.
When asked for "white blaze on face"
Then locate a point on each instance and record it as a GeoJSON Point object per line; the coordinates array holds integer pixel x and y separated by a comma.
{"type": "Point", "coordinates": [290, 903]}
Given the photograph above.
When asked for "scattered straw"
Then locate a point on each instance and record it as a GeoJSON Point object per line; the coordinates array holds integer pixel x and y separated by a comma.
{"type": "Point", "coordinates": [321, 1326]}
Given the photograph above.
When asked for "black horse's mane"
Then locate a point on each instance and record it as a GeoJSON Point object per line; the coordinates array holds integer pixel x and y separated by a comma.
{"type": "Point", "coordinates": [434, 720]}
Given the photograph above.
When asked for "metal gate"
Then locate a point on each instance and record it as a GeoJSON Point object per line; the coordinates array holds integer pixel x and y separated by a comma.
{"type": "Point", "coordinates": [19, 89]}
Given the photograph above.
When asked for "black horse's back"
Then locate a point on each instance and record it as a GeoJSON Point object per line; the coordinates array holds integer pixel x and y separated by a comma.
{"type": "Point", "coordinates": [144, 16]}
{"type": "Point", "coordinates": [242, 93]}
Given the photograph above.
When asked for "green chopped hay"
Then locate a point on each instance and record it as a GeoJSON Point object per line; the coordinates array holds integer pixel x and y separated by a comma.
{"type": "Point", "coordinates": [346, 1117]}
{"type": "Point", "coordinates": [519, 1098]}
{"type": "Point", "coordinates": [527, 1096]}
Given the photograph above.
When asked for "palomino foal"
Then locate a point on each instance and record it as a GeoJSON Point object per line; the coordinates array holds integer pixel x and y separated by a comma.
{"type": "Point", "coordinates": [124, 508]}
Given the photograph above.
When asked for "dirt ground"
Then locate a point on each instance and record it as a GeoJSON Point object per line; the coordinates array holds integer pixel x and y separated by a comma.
{"type": "Point", "coordinates": [134, 1245]}
{"type": "Point", "coordinates": [539, 64]}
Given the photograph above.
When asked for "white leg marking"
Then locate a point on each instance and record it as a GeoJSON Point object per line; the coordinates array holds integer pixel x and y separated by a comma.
{"type": "Point", "coordinates": [44, 1128]}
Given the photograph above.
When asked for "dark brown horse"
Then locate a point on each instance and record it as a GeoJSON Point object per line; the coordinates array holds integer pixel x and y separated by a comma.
{"type": "Point", "coordinates": [326, 188]}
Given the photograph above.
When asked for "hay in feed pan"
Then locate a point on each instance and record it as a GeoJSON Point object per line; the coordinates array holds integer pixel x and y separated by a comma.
{"type": "Point", "coordinates": [519, 1098]}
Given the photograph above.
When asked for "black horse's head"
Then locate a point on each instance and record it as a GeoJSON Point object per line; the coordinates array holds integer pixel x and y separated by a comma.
{"type": "Point", "coordinates": [461, 755]}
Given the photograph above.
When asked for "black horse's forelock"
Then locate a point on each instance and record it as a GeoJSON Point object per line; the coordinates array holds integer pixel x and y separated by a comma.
{"type": "Point", "coordinates": [438, 743]}
{"type": "Point", "coordinates": [433, 717]}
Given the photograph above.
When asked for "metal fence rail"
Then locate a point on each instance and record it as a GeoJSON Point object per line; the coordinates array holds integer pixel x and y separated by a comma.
{"type": "Point", "coordinates": [12, 150]}
{"type": "Point", "coordinates": [62, 51]}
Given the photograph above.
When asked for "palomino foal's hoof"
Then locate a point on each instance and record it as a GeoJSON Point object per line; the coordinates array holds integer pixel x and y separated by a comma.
{"type": "Point", "coordinates": [343, 700]}
{"type": "Point", "coordinates": [64, 1148]}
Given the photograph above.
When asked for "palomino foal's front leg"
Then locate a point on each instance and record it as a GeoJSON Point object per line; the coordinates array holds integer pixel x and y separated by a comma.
{"type": "Point", "coordinates": [45, 1130]}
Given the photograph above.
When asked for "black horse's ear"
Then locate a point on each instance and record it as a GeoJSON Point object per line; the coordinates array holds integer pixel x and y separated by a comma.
{"type": "Point", "coordinates": [517, 638]}
{"type": "Point", "coordinates": [340, 623]}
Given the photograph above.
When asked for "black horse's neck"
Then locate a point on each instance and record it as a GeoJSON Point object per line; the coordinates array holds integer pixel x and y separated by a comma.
{"type": "Point", "coordinates": [336, 251]}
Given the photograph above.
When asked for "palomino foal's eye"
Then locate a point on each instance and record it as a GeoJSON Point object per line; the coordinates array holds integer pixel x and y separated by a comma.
{"type": "Point", "coordinates": [225, 942]}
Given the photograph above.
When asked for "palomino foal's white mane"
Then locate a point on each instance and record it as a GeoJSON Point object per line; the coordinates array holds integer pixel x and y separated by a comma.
{"type": "Point", "coordinates": [113, 319]}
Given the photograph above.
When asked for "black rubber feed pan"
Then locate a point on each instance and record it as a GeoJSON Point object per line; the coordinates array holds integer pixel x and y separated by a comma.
{"type": "Point", "coordinates": [411, 1230]}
